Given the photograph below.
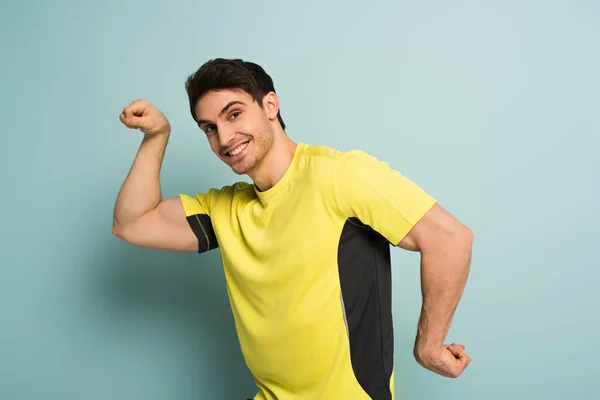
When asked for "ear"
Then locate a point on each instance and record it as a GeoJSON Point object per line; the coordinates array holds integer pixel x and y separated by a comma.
{"type": "Point", "coordinates": [271, 105]}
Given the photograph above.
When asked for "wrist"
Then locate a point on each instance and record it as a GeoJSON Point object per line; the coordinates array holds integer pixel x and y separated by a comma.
{"type": "Point", "coordinates": [164, 132]}
{"type": "Point", "coordinates": [162, 135]}
{"type": "Point", "coordinates": [424, 346]}
{"type": "Point", "coordinates": [428, 354]}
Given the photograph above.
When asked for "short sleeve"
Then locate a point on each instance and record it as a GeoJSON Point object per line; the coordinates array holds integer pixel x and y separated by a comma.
{"type": "Point", "coordinates": [379, 196]}
{"type": "Point", "coordinates": [197, 213]}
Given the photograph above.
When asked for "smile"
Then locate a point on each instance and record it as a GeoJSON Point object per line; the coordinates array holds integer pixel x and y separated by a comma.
{"type": "Point", "coordinates": [237, 150]}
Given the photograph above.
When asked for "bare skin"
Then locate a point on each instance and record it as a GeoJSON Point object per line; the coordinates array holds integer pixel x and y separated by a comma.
{"type": "Point", "coordinates": [445, 246]}
{"type": "Point", "coordinates": [250, 140]}
{"type": "Point", "coordinates": [230, 119]}
{"type": "Point", "coordinates": [142, 217]}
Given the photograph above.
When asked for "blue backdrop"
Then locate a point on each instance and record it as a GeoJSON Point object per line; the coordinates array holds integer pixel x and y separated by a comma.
{"type": "Point", "coordinates": [491, 106]}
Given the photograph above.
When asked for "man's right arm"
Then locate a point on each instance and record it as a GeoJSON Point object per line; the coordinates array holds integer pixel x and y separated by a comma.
{"type": "Point", "coordinates": [141, 217]}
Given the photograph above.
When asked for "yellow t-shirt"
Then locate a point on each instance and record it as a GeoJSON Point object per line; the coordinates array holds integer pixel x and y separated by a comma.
{"type": "Point", "coordinates": [307, 266]}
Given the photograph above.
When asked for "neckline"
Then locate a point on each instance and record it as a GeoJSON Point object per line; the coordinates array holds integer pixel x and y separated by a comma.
{"type": "Point", "coordinates": [285, 179]}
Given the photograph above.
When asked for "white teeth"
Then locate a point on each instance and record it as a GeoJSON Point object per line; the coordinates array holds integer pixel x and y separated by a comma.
{"type": "Point", "coordinates": [238, 149]}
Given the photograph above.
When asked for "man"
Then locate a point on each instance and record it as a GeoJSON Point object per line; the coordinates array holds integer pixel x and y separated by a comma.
{"type": "Point", "coordinates": [305, 247]}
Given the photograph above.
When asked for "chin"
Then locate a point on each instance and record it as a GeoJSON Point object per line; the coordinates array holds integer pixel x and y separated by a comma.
{"type": "Point", "coordinates": [240, 171]}
{"type": "Point", "coordinates": [242, 167]}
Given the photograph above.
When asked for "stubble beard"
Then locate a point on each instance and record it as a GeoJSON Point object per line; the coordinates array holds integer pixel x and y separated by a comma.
{"type": "Point", "coordinates": [261, 144]}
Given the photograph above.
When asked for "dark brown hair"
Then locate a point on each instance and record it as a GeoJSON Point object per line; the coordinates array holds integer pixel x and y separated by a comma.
{"type": "Point", "coordinates": [222, 73]}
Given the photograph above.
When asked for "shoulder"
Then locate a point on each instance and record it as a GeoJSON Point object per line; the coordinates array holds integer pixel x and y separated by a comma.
{"type": "Point", "coordinates": [328, 156]}
{"type": "Point", "coordinates": [319, 151]}
{"type": "Point", "coordinates": [217, 198]}
{"type": "Point", "coordinates": [234, 191]}
{"type": "Point", "coordinates": [331, 155]}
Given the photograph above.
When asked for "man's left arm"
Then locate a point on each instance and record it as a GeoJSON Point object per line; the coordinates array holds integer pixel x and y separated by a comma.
{"type": "Point", "coordinates": [407, 216]}
{"type": "Point", "coordinates": [445, 246]}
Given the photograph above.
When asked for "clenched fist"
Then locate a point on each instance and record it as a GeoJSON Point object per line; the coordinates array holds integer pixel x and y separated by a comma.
{"type": "Point", "coordinates": [142, 115]}
{"type": "Point", "coordinates": [446, 360]}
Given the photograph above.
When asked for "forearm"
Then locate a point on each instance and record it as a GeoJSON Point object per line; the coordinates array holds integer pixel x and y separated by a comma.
{"type": "Point", "coordinates": [141, 193]}
{"type": "Point", "coordinates": [444, 273]}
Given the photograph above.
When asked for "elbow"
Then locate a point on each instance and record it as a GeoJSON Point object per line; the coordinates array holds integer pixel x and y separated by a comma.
{"type": "Point", "coordinates": [117, 230]}
{"type": "Point", "coordinates": [463, 239]}
{"type": "Point", "coordinates": [128, 232]}
{"type": "Point", "coordinates": [467, 236]}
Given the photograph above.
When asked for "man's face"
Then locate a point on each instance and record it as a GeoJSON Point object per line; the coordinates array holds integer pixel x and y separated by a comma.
{"type": "Point", "coordinates": [237, 129]}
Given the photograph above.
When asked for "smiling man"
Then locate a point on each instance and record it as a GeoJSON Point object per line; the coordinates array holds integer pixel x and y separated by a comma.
{"type": "Point", "coordinates": [305, 247]}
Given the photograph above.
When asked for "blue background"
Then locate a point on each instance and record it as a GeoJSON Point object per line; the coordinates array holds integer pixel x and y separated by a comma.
{"type": "Point", "coordinates": [492, 107]}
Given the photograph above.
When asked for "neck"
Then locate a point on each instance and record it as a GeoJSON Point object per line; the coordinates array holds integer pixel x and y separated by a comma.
{"type": "Point", "coordinates": [274, 165]}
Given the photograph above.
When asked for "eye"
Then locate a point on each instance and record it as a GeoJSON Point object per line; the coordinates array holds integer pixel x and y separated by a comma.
{"type": "Point", "coordinates": [210, 128]}
{"type": "Point", "coordinates": [235, 114]}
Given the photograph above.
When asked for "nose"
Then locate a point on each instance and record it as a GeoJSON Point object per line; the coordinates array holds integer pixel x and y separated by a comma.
{"type": "Point", "coordinates": [226, 136]}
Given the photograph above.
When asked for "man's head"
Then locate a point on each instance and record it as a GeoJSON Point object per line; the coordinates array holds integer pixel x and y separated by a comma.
{"type": "Point", "coordinates": [235, 104]}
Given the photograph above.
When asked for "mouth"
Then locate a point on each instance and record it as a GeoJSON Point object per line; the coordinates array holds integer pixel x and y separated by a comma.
{"type": "Point", "coordinates": [238, 151]}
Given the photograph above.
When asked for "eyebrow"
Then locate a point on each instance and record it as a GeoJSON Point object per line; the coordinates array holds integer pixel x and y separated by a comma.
{"type": "Point", "coordinates": [223, 111]}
